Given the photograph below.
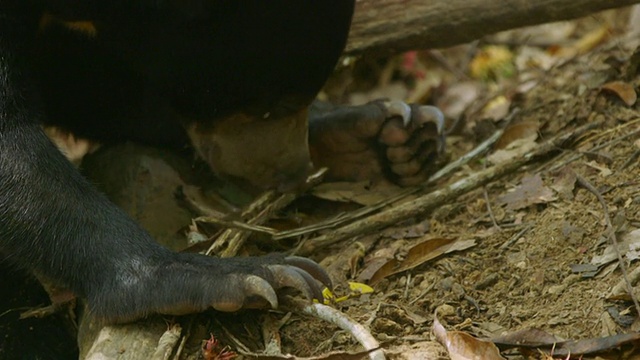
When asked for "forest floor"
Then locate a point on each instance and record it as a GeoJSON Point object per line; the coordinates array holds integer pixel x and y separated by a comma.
{"type": "Point", "coordinates": [538, 241]}
{"type": "Point", "coordinates": [532, 249]}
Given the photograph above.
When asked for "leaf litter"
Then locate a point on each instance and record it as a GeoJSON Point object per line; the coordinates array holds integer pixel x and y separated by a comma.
{"type": "Point", "coordinates": [514, 285]}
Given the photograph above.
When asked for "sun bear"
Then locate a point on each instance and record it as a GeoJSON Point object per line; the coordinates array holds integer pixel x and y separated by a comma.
{"type": "Point", "coordinates": [235, 79]}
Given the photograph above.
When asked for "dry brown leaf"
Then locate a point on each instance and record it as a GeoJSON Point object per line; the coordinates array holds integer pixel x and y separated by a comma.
{"type": "Point", "coordinates": [604, 171]}
{"type": "Point", "coordinates": [529, 57]}
{"type": "Point", "coordinates": [497, 109]}
{"type": "Point", "coordinates": [590, 40]}
{"type": "Point", "coordinates": [529, 337]}
{"type": "Point", "coordinates": [531, 191]}
{"type": "Point", "coordinates": [458, 97]}
{"type": "Point", "coordinates": [623, 90]}
{"type": "Point", "coordinates": [627, 246]}
{"type": "Point", "coordinates": [360, 193]}
{"type": "Point", "coordinates": [523, 130]}
{"type": "Point", "coordinates": [538, 339]}
{"type": "Point", "coordinates": [564, 182]}
{"type": "Point", "coordinates": [462, 346]}
{"type": "Point", "coordinates": [371, 268]}
{"type": "Point", "coordinates": [415, 351]}
{"type": "Point", "coordinates": [415, 318]}
{"type": "Point", "coordinates": [551, 33]}
{"type": "Point", "coordinates": [515, 149]}
{"type": "Point", "coordinates": [419, 254]}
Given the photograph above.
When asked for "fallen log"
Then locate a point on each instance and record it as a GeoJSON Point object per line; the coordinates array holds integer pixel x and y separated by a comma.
{"type": "Point", "coordinates": [392, 26]}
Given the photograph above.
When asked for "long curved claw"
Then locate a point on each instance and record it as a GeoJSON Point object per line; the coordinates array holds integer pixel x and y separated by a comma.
{"type": "Point", "coordinates": [313, 284]}
{"type": "Point", "coordinates": [258, 289]}
{"type": "Point", "coordinates": [251, 286]}
{"type": "Point", "coordinates": [257, 286]}
{"type": "Point", "coordinates": [312, 268]}
{"type": "Point", "coordinates": [427, 113]}
{"type": "Point", "coordinates": [399, 108]}
{"type": "Point", "coordinates": [285, 276]}
{"type": "Point", "coordinates": [414, 145]}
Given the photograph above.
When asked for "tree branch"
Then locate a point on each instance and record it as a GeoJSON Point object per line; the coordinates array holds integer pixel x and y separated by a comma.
{"type": "Point", "coordinates": [392, 26]}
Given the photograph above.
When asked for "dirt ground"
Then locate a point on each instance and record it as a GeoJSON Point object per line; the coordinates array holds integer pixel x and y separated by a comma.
{"type": "Point", "coordinates": [537, 240]}
{"type": "Point", "coordinates": [530, 238]}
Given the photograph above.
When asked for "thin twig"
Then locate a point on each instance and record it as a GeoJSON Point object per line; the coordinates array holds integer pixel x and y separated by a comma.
{"type": "Point", "coordinates": [340, 319]}
{"type": "Point", "coordinates": [362, 212]}
{"type": "Point", "coordinates": [428, 202]}
{"type": "Point", "coordinates": [515, 238]}
{"type": "Point", "coordinates": [239, 237]}
{"type": "Point", "coordinates": [630, 160]}
{"type": "Point", "coordinates": [487, 201]}
{"type": "Point", "coordinates": [252, 212]}
{"type": "Point", "coordinates": [235, 224]}
{"type": "Point", "coordinates": [345, 217]}
{"type": "Point", "coordinates": [464, 159]}
{"type": "Point", "coordinates": [258, 212]}
{"type": "Point", "coordinates": [601, 146]}
{"type": "Point", "coordinates": [611, 235]}
{"type": "Point", "coordinates": [489, 209]}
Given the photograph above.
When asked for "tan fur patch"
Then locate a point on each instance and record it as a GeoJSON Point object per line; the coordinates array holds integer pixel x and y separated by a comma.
{"type": "Point", "coordinates": [266, 152]}
{"type": "Point", "coordinates": [87, 28]}
{"type": "Point", "coordinates": [72, 147]}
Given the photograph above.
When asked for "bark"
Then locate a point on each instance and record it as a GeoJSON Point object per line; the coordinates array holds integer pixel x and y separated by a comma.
{"type": "Point", "coordinates": [392, 26]}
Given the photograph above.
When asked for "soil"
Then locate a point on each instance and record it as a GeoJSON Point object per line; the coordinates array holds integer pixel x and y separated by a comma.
{"type": "Point", "coordinates": [522, 271]}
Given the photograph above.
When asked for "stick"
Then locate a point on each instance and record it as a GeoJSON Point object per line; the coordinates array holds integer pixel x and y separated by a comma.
{"type": "Point", "coordinates": [428, 202]}
{"type": "Point", "coordinates": [393, 26]}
